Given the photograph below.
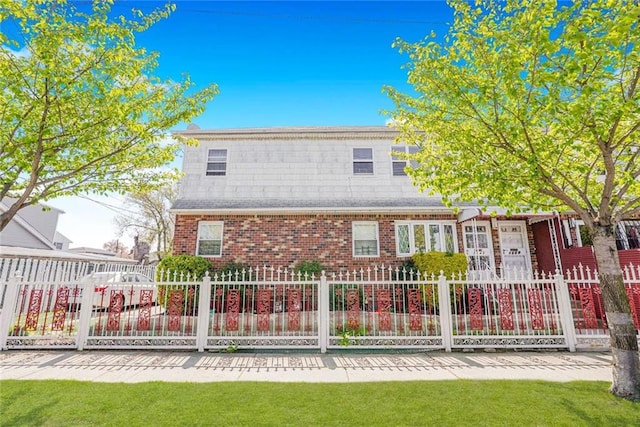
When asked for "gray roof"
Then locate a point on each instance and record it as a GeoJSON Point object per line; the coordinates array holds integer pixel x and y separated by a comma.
{"type": "Point", "coordinates": [341, 205]}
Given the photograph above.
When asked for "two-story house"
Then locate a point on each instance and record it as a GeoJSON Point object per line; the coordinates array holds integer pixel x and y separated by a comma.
{"type": "Point", "coordinates": [337, 195]}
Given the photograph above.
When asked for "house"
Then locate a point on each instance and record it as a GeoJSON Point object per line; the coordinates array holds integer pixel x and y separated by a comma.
{"type": "Point", "coordinates": [33, 227]}
{"type": "Point", "coordinates": [570, 245]}
{"type": "Point", "coordinates": [32, 234]}
{"type": "Point", "coordinates": [337, 195]}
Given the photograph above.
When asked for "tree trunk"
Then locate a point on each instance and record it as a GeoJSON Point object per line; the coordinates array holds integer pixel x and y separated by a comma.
{"type": "Point", "coordinates": [7, 216]}
{"type": "Point", "coordinates": [624, 343]}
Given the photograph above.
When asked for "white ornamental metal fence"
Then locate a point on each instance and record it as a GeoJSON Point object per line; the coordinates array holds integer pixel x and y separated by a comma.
{"type": "Point", "coordinates": [276, 308]}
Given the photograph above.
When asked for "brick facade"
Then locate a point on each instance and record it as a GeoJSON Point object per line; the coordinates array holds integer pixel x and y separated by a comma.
{"type": "Point", "coordinates": [284, 240]}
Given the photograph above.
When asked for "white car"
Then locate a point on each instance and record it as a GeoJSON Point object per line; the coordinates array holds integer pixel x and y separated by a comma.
{"type": "Point", "coordinates": [122, 285]}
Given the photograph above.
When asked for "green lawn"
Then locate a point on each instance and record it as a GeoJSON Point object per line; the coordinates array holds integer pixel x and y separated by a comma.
{"type": "Point", "coordinates": [438, 403]}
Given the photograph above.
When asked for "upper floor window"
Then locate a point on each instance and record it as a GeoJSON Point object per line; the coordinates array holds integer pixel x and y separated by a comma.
{"type": "Point", "coordinates": [363, 161]}
{"type": "Point", "coordinates": [209, 238]}
{"type": "Point", "coordinates": [217, 162]}
{"type": "Point", "coordinates": [420, 236]}
{"type": "Point", "coordinates": [365, 239]}
{"type": "Point", "coordinates": [398, 163]}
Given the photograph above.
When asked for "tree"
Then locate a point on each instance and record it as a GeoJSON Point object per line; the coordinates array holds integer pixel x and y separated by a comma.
{"type": "Point", "coordinates": [80, 109]}
{"type": "Point", "coordinates": [117, 248]}
{"type": "Point", "coordinates": [147, 215]}
{"type": "Point", "coordinates": [531, 106]}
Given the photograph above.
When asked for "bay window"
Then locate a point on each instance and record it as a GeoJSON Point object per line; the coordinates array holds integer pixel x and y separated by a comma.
{"type": "Point", "coordinates": [425, 236]}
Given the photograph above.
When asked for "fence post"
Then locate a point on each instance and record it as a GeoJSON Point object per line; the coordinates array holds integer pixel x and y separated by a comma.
{"type": "Point", "coordinates": [8, 308]}
{"type": "Point", "coordinates": [86, 308]}
{"type": "Point", "coordinates": [444, 301]}
{"type": "Point", "coordinates": [204, 300]}
{"type": "Point", "coordinates": [323, 313]}
{"type": "Point", "coordinates": [566, 313]}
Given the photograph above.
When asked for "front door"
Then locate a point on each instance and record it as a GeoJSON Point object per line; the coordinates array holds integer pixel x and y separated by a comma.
{"type": "Point", "coordinates": [477, 245]}
{"type": "Point", "coordinates": [514, 245]}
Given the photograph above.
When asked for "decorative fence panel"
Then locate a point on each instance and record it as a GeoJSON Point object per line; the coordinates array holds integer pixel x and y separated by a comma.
{"type": "Point", "coordinates": [265, 308]}
{"type": "Point", "coordinates": [587, 308]}
{"type": "Point", "coordinates": [273, 308]}
{"type": "Point", "coordinates": [513, 311]}
{"type": "Point", "coordinates": [384, 308]}
{"type": "Point", "coordinates": [159, 315]}
{"type": "Point", "coordinates": [41, 315]}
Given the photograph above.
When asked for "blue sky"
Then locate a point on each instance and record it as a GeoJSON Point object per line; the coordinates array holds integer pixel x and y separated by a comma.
{"type": "Point", "coordinates": [291, 63]}
{"type": "Point", "coordinates": [276, 63]}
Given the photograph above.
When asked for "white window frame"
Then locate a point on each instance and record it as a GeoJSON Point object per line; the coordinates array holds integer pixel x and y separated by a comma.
{"type": "Point", "coordinates": [218, 223]}
{"type": "Point", "coordinates": [217, 160]}
{"type": "Point", "coordinates": [354, 225]}
{"type": "Point", "coordinates": [426, 226]}
{"type": "Point", "coordinates": [363, 160]}
{"type": "Point", "coordinates": [405, 149]}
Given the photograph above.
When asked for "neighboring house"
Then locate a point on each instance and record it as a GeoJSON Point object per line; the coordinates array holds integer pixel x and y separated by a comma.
{"type": "Point", "coordinates": [571, 245]}
{"type": "Point", "coordinates": [33, 227]}
{"type": "Point", "coordinates": [336, 195]}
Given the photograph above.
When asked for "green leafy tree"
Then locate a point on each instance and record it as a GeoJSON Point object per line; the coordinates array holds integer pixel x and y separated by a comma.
{"type": "Point", "coordinates": [530, 105]}
{"type": "Point", "coordinates": [80, 109]}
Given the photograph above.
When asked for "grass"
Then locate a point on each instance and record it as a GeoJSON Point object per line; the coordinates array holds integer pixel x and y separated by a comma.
{"type": "Point", "coordinates": [413, 403]}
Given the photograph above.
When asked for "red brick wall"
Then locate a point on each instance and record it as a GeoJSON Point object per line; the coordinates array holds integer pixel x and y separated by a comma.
{"type": "Point", "coordinates": [283, 240]}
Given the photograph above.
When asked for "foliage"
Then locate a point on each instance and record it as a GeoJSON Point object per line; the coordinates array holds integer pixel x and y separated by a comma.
{"type": "Point", "coordinates": [191, 265]}
{"type": "Point", "coordinates": [309, 268]}
{"type": "Point", "coordinates": [349, 335]}
{"type": "Point", "coordinates": [177, 268]}
{"type": "Point", "coordinates": [148, 217]}
{"type": "Point", "coordinates": [81, 110]}
{"type": "Point", "coordinates": [536, 106]}
{"type": "Point", "coordinates": [432, 263]}
{"type": "Point", "coordinates": [238, 403]}
{"type": "Point", "coordinates": [531, 105]}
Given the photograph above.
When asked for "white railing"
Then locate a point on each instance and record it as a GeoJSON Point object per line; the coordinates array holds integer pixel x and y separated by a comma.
{"type": "Point", "coordinates": [33, 269]}
{"type": "Point", "coordinates": [276, 308]}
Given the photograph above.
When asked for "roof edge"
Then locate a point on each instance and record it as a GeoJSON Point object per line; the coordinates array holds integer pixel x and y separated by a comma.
{"type": "Point", "coordinates": [309, 132]}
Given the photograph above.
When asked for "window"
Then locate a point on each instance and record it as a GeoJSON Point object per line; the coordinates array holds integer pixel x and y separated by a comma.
{"type": "Point", "coordinates": [628, 235]}
{"type": "Point", "coordinates": [58, 245]}
{"type": "Point", "coordinates": [365, 239]}
{"type": "Point", "coordinates": [209, 239]}
{"type": "Point", "coordinates": [413, 236]}
{"type": "Point", "coordinates": [217, 162]}
{"type": "Point", "coordinates": [398, 163]}
{"type": "Point", "coordinates": [363, 161]}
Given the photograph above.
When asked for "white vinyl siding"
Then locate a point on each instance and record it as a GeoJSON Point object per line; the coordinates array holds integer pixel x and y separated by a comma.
{"type": "Point", "coordinates": [365, 239]}
{"type": "Point", "coordinates": [209, 239]}
{"type": "Point", "coordinates": [420, 236]}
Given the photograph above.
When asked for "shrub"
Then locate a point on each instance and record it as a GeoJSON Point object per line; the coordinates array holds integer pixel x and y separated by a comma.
{"type": "Point", "coordinates": [310, 268]}
{"type": "Point", "coordinates": [434, 262]}
{"type": "Point", "coordinates": [182, 266]}
{"type": "Point", "coordinates": [191, 265]}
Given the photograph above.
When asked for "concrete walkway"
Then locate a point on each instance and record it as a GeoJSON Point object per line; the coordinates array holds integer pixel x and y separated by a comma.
{"type": "Point", "coordinates": [141, 366]}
